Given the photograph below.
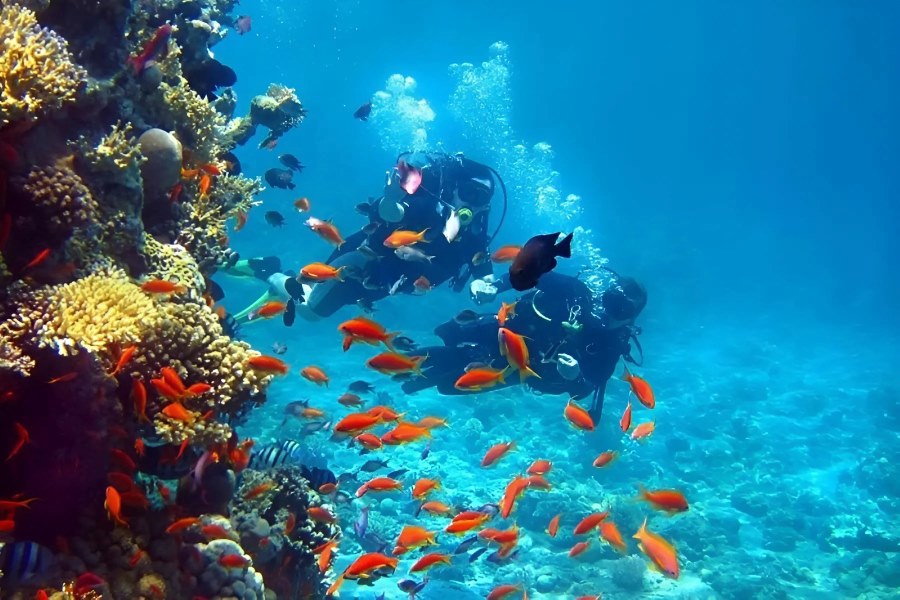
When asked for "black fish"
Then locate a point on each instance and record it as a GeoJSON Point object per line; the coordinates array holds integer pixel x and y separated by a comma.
{"type": "Point", "coordinates": [270, 141]}
{"type": "Point", "coordinates": [360, 387]}
{"type": "Point", "coordinates": [466, 316]}
{"type": "Point", "coordinates": [404, 344]}
{"type": "Point", "coordinates": [291, 162]}
{"type": "Point", "coordinates": [317, 477]}
{"type": "Point", "coordinates": [274, 455]}
{"type": "Point", "coordinates": [280, 178]}
{"type": "Point", "coordinates": [370, 466]}
{"type": "Point", "coordinates": [362, 113]}
{"type": "Point", "coordinates": [314, 426]}
{"type": "Point", "coordinates": [398, 473]}
{"type": "Point", "coordinates": [275, 218]}
{"type": "Point", "coordinates": [25, 563]}
{"type": "Point", "coordinates": [466, 544]}
{"type": "Point", "coordinates": [474, 556]}
{"type": "Point", "coordinates": [537, 257]}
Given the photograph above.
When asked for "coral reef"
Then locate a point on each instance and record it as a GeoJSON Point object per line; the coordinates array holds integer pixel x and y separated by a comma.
{"type": "Point", "coordinates": [37, 73]}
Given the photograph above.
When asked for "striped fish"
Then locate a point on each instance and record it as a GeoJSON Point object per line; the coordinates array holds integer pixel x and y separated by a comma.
{"type": "Point", "coordinates": [275, 455]}
{"type": "Point", "coordinates": [25, 563]}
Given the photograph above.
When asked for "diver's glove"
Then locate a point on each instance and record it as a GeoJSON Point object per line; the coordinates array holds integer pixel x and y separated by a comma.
{"type": "Point", "coordinates": [483, 290]}
{"type": "Point", "coordinates": [567, 367]}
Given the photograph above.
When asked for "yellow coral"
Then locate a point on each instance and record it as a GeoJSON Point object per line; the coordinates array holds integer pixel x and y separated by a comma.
{"type": "Point", "coordinates": [172, 263]}
{"type": "Point", "coordinates": [93, 313]}
{"type": "Point", "coordinates": [117, 150]}
{"type": "Point", "coordinates": [37, 73]}
{"type": "Point", "coordinates": [66, 202]}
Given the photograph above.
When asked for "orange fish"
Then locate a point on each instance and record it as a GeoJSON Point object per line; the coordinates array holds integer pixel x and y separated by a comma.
{"type": "Point", "coordinates": [113, 506]}
{"type": "Point", "coordinates": [38, 259]}
{"type": "Point", "coordinates": [139, 447]}
{"type": "Point", "coordinates": [240, 219]}
{"type": "Point", "coordinates": [268, 364]}
{"type": "Point", "coordinates": [605, 458]}
{"type": "Point", "coordinates": [291, 522]}
{"type": "Point", "coordinates": [514, 490]}
{"type": "Point", "coordinates": [367, 331]}
{"type": "Point", "coordinates": [123, 360]}
{"type": "Point", "coordinates": [233, 561]}
{"type": "Point", "coordinates": [22, 438]}
{"type": "Point", "coordinates": [139, 397]}
{"type": "Point", "coordinates": [211, 169]}
{"type": "Point", "coordinates": [423, 487]}
{"type": "Point", "coordinates": [326, 230]}
{"type": "Point", "coordinates": [379, 484]}
{"type": "Point", "coordinates": [422, 284]}
{"type": "Point", "coordinates": [179, 413]}
{"type": "Point", "coordinates": [356, 423]}
{"type": "Point", "coordinates": [216, 532]}
{"type": "Point", "coordinates": [327, 488]}
{"type": "Point", "coordinates": [643, 430]}
{"type": "Point", "coordinates": [270, 309]}
{"type": "Point", "coordinates": [432, 422]}
{"type": "Point", "coordinates": [302, 204]}
{"type": "Point", "coordinates": [171, 377]}
{"type": "Point", "coordinates": [165, 390]}
{"type": "Point", "coordinates": [502, 591]}
{"type": "Point", "coordinates": [430, 560]}
{"type": "Point", "coordinates": [671, 501]}
{"type": "Point", "coordinates": [385, 413]}
{"type": "Point", "coordinates": [367, 563]}
{"type": "Point", "coordinates": [506, 312]}
{"type": "Point", "coordinates": [464, 525]}
{"type": "Point", "coordinates": [506, 254]}
{"type": "Point", "coordinates": [413, 536]}
{"type": "Point", "coordinates": [190, 173]}
{"type": "Point", "coordinates": [369, 441]}
{"type": "Point", "coordinates": [578, 417]}
{"type": "Point", "coordinates": [658, 550]}
{"type": "Point", "coordinates": [403, 237]}
{"type": "Point", "coordinates": [392, 363]}
{"type": "Point", "coordinates": [496, 452]}
{"type": "Point", "coordinates": [501, 536]}
{"type": "Point", "coordinates": [64, 378]}
{"type": "Point", "coordinates": [259, 490]}
{"type": "Point", "coordinates": [204, 185]}
{"type": "Point", "coordinates": [610, 533]}
{"type": "Point", "coordinates": [513, 347]}
{"type": "Point", "coordinates": [481, 378]}
{"type": "Point", "coordinates": [625, 421]}
{"type": "Point", "coordinates": [197, 389]}
{"type": "Point", "coordinates": [405, 433]}
{"type": "Point", "coordinates": [320, 515]}
{"type": "Point", "coordinates": [436, 508]}
{"type": "Point", "coordinates": [319, 271]}
{"type": "Point", "coordinates": [578, 548]}
{"type": "Point", "coordinates": [325, 552]}
{"type": "Point", "coordinates": [539, 482]}
{"type": "Point", "coordinates": [315, 374]}
{"type": "Point", "coordinates": [553, 527]}
{"type": "Point", "coordinates": [640, 388]}
{"type": "Point", "coordinates": [175, 192]}
{"type": "Point", "coordinates": [540, 467]}
{"type": "Point", "coordinates": [590, 522]}
{"type": "Point", "coordinates": [161, 286]}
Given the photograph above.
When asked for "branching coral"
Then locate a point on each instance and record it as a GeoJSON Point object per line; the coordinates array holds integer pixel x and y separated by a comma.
{"type": "Point", "coordinates": [116, 152]}
{"type": "Point", "coordinates": [171, 262]}
{"type": "Point", "coordinates": [37, 74]}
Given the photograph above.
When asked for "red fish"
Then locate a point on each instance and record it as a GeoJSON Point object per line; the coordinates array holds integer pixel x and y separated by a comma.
{"type": "Point", "coordinates": [590, 522]}
{"type": "Point", "coordinates": [540, 467]}
{"type": "Point", "coordinates": [506, 254]}
{"type": "Point", "coordinates": [393, 363]}
{"type": "Point", "coordinates": [430, 560]}
{"type": "Point", "coordinates": [553, 527]}
{"type": "Point", "coordinates": [161, 286]}
{"type": "Point", "coordinates": [625, 421]}
{"type": "Point", "coordinates": [405, 238]}
{"type": "Point", "coordinates": [671, 501]}
{"type": "Point", "coordinates": [315, 374]}
{"type": "Point", "coordinates": [367, 331]}
{"type": "Point", "coordinates": [423, 487]}
{"type": "Point", "coordinates": [481, 378]}
{"type": "Point", "coordinates": [379, 484]}
{"type": "Point", "coordinates": [643, 430]}
{"type": "Point", "coordinates": [113, 506]}
{"type": "Point", "coordinates": [640, 388]}
{"type": "Point", "coordinates": [233, 561]}
{"type": "Point", "coordinates": [158, 45]}
{"type": "Point", "coordinates": [578, 548]}
{"type": "Point", "coordinates": [259, 490]}
{"type": "Point", "coordinates": [367, 563]}
{"type": "Point", "coordinates": [605, 458]}
{"type": "Point", "coordinates": [182, 524]}
{"type": "Point", "coordinates": [503, 591]}
{"type": "Point", "coordinates": [578, 417]}
{"type": "Point", "coordinates": [356, 423]}
{"type": "Point", "coordinates": [268, 364]}
{"type": "Point", "coordinates": [658, 550]}
{"type": "Point", "coordinates": [22, 438]}
{"type": "Point", "coordinates": [513, 347]}
{"type": "Point", "coordinates": [38, 259]}
{"type": "Point", "coordinates": [496, 452]}
{"type": "Point", "coordinates": [610, 533]}
{"type": "Point", "coordinates": [506, 312]}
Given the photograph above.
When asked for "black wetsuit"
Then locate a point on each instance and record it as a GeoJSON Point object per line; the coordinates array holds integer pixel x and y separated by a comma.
{"type": "Point", "coordinates": [557, 297]}
{"type": "Point", "coordinates": [448, 182]}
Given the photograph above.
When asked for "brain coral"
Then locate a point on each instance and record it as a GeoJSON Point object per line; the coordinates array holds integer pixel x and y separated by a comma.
{"type": "Point", "coordinates": [36, 70]}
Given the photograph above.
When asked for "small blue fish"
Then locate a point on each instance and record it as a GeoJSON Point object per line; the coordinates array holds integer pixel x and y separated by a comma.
{"type": "Point", "coordinates": [426, 451]}
{"type": "Point", "coordinates": [465, 545]}
{"type": "Point", "coordinates": [474, 556]}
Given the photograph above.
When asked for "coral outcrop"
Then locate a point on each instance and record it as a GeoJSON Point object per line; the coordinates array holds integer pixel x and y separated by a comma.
{"type": "Point", "coordinates": [37, 73]}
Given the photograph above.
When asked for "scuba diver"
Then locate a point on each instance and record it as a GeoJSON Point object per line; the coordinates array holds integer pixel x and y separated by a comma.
{"type": "Point", "coordinates": [282, 286]}
{"type": "Point", "coordinates": [575, 337]}
{"type": "Point", "coordinates": [448, 197]}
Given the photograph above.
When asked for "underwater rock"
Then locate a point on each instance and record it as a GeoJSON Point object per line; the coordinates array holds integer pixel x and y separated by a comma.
{"type": "Point", "coordinates": [162, 169]}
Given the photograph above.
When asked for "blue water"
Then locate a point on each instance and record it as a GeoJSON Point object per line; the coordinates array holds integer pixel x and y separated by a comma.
{"type": "Point", "coordinates": [737, 160]}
